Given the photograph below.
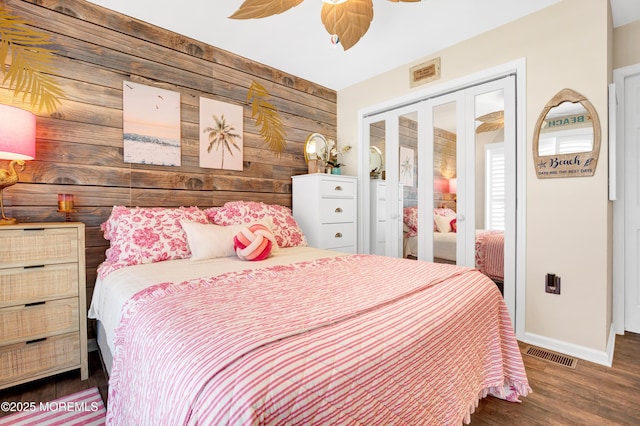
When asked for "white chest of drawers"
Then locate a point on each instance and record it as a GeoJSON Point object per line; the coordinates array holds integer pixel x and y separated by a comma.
{"type": "Point", "coordinates": [43, 325]}
{"type": "Point", "coordinates": [325, 207]}
{"type": "Point", "coordinates": [380, 225]}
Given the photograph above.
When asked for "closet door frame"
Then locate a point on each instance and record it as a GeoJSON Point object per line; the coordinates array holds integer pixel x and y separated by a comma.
{"type": "Point", "coordinates": [514, 297]}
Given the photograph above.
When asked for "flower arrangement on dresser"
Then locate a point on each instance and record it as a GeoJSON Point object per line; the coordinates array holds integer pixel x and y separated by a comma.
{"type": "Point", "coordinates": [333, 155]}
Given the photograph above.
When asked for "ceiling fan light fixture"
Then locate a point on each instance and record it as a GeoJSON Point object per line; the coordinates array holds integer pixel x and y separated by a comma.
{"type": "Point", "coordinates": [347, 20]}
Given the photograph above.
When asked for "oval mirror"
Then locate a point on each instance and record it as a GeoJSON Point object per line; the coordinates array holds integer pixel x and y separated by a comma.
{"type": "Point", "coordinates": [315, 147]}
{"type": "Point", "coordinates": [376, 162]}
{"type": "Point", "coordinates": [566, 140]}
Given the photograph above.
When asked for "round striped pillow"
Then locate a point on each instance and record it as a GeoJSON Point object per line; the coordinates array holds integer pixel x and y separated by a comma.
{"type": "Point", "coordinates": [254, 242]}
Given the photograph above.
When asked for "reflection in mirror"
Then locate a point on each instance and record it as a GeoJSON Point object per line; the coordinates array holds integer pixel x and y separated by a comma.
{"type": "Point", "coordinates": [408, 180]}
{"type": "Point", "coordinates": [566, 129]}
{"type": "Point", "coordinates": [566, 139]}
{"type": "Point", "coordinates": [377, 190]}
{"type": "Point", "coordinates": [376, 162]}
{"type": "Point", "coordinates": [315, 147]}
{"type": "Point", "coordinates": [377, 150]}
{"type": "Point", "coordinates": [444, 183]}
{"type": "Point", "coordinates": [490, 206]}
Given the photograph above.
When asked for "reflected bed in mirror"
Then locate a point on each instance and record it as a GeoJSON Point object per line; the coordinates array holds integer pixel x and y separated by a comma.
{"type": "Point", "coordinates": [566, 141]}
{"type": "Point", "coordinates": [489, 244]}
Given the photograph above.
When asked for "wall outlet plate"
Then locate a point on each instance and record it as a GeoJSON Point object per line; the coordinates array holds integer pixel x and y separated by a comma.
{"type": "Point", "coordinates": [552, 284]}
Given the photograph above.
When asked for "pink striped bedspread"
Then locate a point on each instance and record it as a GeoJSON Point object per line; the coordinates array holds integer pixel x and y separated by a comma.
{"type": "Point", "coordinates": [356, 339]}
{"type": "Point", "coordinates": [490, 254]}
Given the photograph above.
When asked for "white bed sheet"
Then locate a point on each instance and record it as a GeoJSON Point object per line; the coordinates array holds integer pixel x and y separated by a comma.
{"type": "Point", "coordinates": [111, 293]}
{"type": "Point", "coordinates": [444, 245]}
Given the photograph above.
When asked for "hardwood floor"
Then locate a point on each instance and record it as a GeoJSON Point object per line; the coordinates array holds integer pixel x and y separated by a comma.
{"type": "Point", "coordinates": [58, 386]}
{"type": "Point", "coordinates": [590, 394]}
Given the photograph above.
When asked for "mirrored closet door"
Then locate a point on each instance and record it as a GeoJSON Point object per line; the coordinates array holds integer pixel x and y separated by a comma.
{"type": "Point", "coordinates": [441, 175]}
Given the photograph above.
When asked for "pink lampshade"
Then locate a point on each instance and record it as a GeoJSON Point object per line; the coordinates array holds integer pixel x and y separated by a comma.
{"type": "Point", "coordinates": [17, 134]}
{"type": "Point", "coordinates": [440, 185]}
{"type": "Point", "coordinates": [453, 186]}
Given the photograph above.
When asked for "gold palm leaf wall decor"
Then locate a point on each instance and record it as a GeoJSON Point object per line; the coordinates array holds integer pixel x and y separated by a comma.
{"type": "Point", "coordinates": [348, 19]}
{"type": "Point", "coordinates": [30, 71]}
{"type": "Point", "coordinates": [267, 117]}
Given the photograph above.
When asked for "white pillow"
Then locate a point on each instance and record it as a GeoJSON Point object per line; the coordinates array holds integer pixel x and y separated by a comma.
{"type": "Point", "coordinates": [443, 223]}
{"type": "Point", "coordinates": [209, 241]}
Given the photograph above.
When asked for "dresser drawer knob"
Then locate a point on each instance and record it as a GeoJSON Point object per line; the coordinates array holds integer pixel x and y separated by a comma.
{"type": "Point", "coordinates": [35, 340]}
{"type": "Point", "coordinates": [338, 188]}
{"type": "Point", "coordinates": [26, 305]}
{"type": "Point", "coordinates": [339, 210]}
{"type": "Point", "coordinates": [338, 235]}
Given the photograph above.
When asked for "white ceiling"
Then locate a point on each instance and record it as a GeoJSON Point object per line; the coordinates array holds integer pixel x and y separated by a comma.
{"type": "Point", "coordinates": [297, 43]}
{"type": "Point", "coordinates": [624, 11]}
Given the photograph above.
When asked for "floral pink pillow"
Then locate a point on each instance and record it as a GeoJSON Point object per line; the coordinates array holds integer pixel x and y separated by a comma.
{"type": "Point", "coordinates": [410, 219]}
{"type": "Point", "coordinates": [148, 234]}
{"type": "Point", "coordinates": [285, 228]}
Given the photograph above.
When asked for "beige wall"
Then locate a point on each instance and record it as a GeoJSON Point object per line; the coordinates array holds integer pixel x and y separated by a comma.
{"type": "Point", "coordinates": [625, 45]}
{"type": "Point", "coordinates": [567, 220]}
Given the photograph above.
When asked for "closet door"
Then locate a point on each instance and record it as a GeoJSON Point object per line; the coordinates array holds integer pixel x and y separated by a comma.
{"type": "Point", "coordinates": [391, 152]}
{"type": "Point", "coordinates": [407, 128]}
{"type": "Point", "coordinates": [489, 200]}
{"type": "Point", "coordinates": [373, 194]}
{"type": "Point", "coordinates": [441, 120]}
{"type": "Point", "coordinates": [464, 168]}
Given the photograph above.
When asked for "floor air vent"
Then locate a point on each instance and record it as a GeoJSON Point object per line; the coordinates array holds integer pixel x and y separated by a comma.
{"type": "Point", "coordinates": [556, 358]}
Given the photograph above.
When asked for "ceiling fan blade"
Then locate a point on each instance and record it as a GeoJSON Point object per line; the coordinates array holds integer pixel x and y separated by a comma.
{"type": "Point", "coordinates": [492, 116]}
{"type": "Point", "coordinates": [491, 122]}
{"type": "Point", "coordinates": [349, 20]}
{"type": "Point", "coordinates": [263, 8]}
{"type": "Point", "coordinates": [489, 127]}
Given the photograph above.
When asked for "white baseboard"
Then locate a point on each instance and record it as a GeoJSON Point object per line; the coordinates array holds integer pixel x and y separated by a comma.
{"type": "Point", "coordinates": [588, 354]}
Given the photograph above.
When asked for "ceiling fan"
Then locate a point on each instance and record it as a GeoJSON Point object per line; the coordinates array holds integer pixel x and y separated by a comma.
{"type": "Point", "coordinates": [491, 122]}
{"type": "Point", "coordinates": [346, 20]}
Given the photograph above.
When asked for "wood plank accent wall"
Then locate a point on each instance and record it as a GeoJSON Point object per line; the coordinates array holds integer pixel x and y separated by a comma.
{"type": "Point", "coordinates": [79, 147]}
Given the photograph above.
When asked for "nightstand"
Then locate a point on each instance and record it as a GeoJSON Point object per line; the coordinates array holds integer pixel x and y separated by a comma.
{"type": "Point", "coordinates": [325, 207]}
{"type": "Point", "coordinates": [43, 314]}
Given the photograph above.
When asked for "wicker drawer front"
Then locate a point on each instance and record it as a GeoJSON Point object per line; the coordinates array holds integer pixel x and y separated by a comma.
{"type": "Point", "coordinates": [23, 361]}
{"type": "Point", "coordinates": [25, 323]}
{"type": "Point", "coordinates": [19, 286]}
{"type": "Point", "coordinates": [38, 246]}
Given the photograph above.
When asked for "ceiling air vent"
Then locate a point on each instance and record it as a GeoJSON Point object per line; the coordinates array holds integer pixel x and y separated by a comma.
{"type": "Point", "coordinates": [556, 358]}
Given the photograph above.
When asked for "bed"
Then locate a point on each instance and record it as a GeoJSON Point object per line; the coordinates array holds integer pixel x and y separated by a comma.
{"type": "Point", "coordinates": [489, 250]}
{"type": "Point", "coordinates": [305, 336]}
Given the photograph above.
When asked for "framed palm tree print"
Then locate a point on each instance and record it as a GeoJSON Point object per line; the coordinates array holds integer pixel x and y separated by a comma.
{"type": "Point", "coordinates": [221, 135]}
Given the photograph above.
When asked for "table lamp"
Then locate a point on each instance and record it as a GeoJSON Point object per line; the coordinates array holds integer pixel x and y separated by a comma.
{"type": "Point", "coordinates": [17, 143]}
